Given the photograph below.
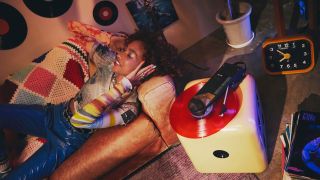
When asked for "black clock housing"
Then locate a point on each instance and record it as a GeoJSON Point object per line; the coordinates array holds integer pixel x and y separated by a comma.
{"type": "Point", "coordinates": [288, 55]}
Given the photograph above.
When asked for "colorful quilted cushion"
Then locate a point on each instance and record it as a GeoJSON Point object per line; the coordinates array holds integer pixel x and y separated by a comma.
{"type": "Point", "coordinates": [53, 78]}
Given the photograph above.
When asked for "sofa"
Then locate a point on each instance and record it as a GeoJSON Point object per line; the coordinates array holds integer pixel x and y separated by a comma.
{"type": "Point", "coordinates": [111, 153]}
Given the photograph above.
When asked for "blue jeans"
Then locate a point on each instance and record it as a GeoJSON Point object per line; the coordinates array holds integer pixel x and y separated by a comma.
{"type": "Point", "coordinates": [42, 121]}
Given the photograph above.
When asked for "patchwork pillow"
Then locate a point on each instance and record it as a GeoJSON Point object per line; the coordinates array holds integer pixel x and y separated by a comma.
{"type": "Point", "coordinates": [54, 77]}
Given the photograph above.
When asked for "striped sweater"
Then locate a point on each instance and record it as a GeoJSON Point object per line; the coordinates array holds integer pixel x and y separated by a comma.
{"type": "Point", "coordinates": [101, 103]}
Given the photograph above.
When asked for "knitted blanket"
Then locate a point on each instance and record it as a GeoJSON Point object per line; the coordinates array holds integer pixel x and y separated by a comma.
{"type": "Point", "coordinates": [54, 77]}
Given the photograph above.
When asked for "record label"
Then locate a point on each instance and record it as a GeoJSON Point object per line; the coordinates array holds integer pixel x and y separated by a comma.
{"type": "Point", "coordinates": [105, 13]}
{"type": "Point", "coordinates": [13, 27]}
{"type": "Point", "coordinates": [4, 27]}
{"type": "Point", "coordinates": [188, 126]}
{"type": "Point", "coordinates": [48, 8]}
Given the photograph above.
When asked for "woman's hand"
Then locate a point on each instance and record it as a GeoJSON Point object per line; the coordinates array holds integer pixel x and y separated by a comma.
{"type": "Point", "coordinates": [118, 42]}
{"type": "Point", "coordinates": [138, 74]}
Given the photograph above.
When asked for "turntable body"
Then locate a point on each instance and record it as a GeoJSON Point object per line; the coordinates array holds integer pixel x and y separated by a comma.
{"type": "Point", "coordinates": [238, 146]}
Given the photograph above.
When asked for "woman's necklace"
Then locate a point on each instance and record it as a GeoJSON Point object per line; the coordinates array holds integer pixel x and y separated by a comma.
{"type": "Point", "coordinates": [113, 80]}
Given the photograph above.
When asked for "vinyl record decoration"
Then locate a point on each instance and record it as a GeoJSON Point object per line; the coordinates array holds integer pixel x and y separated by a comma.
{"type": "Point", "coordinates": [48, 8]}
{"type": "Point", "coordinates": [105, 13]}
{"type": "Point", "coordinates": [13, 27]}
{"type": "Point", "coordinates": [188, 126]}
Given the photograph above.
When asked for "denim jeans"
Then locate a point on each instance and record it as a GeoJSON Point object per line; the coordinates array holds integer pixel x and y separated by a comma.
{"type": "Point", "coordinates": [42, 121]}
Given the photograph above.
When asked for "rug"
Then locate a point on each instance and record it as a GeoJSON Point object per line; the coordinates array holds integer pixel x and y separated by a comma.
{"type": "Point", "coordinates": [175, 164]}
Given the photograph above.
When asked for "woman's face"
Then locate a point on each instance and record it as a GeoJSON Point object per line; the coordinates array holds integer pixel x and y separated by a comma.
{"type": "Point", "coordinates": [128, 60]}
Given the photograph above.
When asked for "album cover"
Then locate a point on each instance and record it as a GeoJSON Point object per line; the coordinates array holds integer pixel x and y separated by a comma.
{"type": "Point", "coordinates": [152, 15]}
{"type": "Point", "coordinates": [285, 142]}
{"type": "Point", "coordinates": [304, 154]}
{"type": "Point", "coordinates": [287, 135]}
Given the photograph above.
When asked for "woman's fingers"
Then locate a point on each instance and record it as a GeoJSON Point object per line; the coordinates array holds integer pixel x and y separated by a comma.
{"type": "Point", "coordinates": [131, 76]}
{"type": "Point", "coordinates": [138, 74]}
{"type": "Point", "coordinates": [137, 69]}
{"type": "Point", "coordinates": [117, 43]}
{"type": "Point", "coordinates": [146, 71]}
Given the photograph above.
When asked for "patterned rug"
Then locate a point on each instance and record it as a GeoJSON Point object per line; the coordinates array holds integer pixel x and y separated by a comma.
{"type": "Point", "coordinates": [175, 164]}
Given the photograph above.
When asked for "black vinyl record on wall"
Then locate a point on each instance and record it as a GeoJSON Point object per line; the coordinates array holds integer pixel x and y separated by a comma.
{"type": "Point", "coordinates": [13, 27]}
{"type": "Point", "coordinates": [105, 13]}
{"type": "Point", "coordinates": [48, 8]}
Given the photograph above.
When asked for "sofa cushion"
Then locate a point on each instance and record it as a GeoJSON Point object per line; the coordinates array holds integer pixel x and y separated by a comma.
{"type": "Point", "coordinates": [157, 95]}
{"type": "Point", "coordinates": [107, 148]}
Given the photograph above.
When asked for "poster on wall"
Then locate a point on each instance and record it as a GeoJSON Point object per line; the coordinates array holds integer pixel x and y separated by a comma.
{"type": "Point", "coordinates": [152, 15]}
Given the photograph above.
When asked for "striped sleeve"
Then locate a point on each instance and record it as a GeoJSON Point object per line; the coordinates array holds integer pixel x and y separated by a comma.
{"type": "Point", "coordinates": [91, 112]}
{"type": "Point", "coordinates": [90, 31]}
{"type": "Point", "coordinates": [120, 116]}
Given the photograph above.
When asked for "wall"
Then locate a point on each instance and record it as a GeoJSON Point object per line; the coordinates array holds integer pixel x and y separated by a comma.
{"type": "Point", "coordinates": [196, 20]}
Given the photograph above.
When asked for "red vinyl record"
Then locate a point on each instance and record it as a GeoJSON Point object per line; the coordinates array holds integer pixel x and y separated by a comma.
{"type": "Point", "coordinates": [189, 126]}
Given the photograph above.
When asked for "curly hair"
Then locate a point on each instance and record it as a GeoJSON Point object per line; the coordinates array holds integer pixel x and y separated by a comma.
{"type": "Point", "coordinates": [158, 52]}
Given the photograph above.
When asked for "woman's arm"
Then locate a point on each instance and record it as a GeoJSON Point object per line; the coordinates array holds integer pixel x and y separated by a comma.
{"type": "Point", "coordinates": [90, 32]}
{"type": "Point", "coordinates": [120, 116]}
{"type": "Point", "coordinates": [91, 36]}
{"type": "Point", "coordinates": [100, 109]}
{"type": "Point", "coordinates": [88, 36]}
{"type": "Point", "coordinates": [92, 112]}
